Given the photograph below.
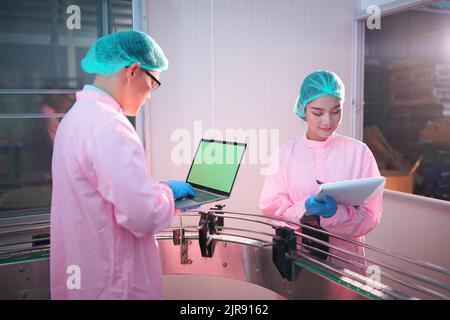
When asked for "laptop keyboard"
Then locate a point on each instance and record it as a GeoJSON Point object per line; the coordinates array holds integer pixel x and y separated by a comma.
{"type": "Point", "coordinates": [201, 196]}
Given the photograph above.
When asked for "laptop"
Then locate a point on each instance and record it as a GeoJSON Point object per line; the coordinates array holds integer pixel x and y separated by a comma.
{"type": "Point", "coordinates": [213, 172]}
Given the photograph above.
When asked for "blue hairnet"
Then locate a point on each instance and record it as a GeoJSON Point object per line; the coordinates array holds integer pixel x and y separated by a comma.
{"type": "Point", "coordinates": [318, 84]}
{"type": "Point", "coordinates": [113, 52]}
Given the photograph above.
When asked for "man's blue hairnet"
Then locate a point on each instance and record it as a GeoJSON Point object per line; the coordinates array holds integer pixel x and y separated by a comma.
{"type": "Point", "coordinates": [318, 84]}
{"type": "Point", "coordinates": [113, 52]}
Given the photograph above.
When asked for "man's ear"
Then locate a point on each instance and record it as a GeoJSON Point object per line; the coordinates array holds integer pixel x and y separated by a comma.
{"type": "Point", "coordinates": [131, 71]}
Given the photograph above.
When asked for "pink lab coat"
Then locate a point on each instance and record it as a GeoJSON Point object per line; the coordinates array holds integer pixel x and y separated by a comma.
{"type": "Point", "coordinates": [105, 207]}
{"type": "Point", "coordinates": [301, 163]}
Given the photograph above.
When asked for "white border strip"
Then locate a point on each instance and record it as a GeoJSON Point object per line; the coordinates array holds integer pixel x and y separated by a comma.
{"type": "Point", "coordinates": [394, 7]}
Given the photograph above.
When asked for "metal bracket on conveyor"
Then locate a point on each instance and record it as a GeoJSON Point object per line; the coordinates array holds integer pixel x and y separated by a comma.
{"type": "Point", "coordinates": [284, 248]}
{"type": "Point", "coordinates": [209, 224]}
{"type": "Point", "coordinates": [180, 239]}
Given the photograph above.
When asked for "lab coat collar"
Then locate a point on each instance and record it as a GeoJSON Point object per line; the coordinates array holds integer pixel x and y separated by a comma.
{"type": "Point", "coordinates": [314, 144]}
{"type": "Point", "coordinates": [93, 93]}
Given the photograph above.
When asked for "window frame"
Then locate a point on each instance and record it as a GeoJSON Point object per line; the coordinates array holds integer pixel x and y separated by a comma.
{"type": "Point", "coordinates": [106, 27]}
{"type": "Point", "coordinates": [357, 112]}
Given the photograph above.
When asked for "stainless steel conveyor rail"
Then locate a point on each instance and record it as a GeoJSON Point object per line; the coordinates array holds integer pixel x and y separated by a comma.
{"type": "Point", "coordinates": [248, 251]}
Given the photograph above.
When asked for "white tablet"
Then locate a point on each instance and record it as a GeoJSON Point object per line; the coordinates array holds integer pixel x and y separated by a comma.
{"type": "Point", "coordinates": [352, 192]}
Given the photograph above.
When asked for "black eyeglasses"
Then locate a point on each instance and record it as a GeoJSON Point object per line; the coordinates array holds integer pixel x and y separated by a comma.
{"type": "Point", "coordinates": [157, 85]}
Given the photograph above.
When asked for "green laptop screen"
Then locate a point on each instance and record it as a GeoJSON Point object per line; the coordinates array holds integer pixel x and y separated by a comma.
{"type": "Point", "coordinates": [216, 164]}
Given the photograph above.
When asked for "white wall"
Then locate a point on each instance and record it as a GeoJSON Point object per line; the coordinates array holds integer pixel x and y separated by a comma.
{"type": "Point", "coordinates": [415, 227]}
{"type": "Point", "coordinates": [238, 65]}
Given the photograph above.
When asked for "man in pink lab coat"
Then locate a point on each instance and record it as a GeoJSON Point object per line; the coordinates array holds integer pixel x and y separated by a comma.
{"type": "Point", "coordinates": [322, 155]}
{"type": "Point", "coordinates": [105, 207]}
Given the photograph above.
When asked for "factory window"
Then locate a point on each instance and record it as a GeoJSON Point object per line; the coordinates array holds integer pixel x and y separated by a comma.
{"type": "Point", "coordinates": [407, 99]}
{"type": "Point", "coordinates": [41, 45]}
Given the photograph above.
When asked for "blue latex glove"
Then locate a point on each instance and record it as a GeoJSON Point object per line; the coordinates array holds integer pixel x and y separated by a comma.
{"type": "Point", "coordinates": [326, 207]}
{"type": "Point", "coordinates": [180, 189]}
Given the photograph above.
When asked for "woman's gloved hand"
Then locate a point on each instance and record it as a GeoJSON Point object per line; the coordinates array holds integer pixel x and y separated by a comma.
{"type": "Point", "coordinates": [180, 189]}
{"type": "Point", "coordinates": [326, 207]}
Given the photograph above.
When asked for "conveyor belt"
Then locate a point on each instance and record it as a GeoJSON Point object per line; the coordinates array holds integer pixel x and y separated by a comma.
{"type": "Point", "coordinates": [240, 253]}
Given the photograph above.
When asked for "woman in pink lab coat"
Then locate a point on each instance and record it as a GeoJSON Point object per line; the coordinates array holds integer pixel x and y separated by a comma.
{"type": "Point", "coordinates": [319, 156]}
{"type": "Point", "coordinates": [105, 207]}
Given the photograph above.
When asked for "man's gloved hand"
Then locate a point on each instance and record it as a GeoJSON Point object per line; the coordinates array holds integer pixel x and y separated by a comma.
{"type": "Point", "coordinates": [326, 207]}
{"type": "Point", "coordinates": [180, 189]}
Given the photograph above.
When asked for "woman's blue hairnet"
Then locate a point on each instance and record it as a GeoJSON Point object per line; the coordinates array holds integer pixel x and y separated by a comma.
{"type": "Point", "coordinates": [115, 51]}
{"type": "Point", "coordinates": [318, 84]}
